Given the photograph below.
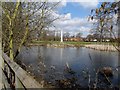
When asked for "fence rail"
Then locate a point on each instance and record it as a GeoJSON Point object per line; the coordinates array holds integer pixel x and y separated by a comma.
{"type": "Point", "coordinates": [16, 76]}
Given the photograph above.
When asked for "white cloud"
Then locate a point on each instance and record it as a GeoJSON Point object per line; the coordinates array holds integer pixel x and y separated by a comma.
{"type": "Point", "coordinates": [89, 3]}
{"type": "Point", "coordinates": [86, 29]}
{"type": "Point", "coordinates": [73, 25]}
{"type": "Point", "coordinates": [63, 2]}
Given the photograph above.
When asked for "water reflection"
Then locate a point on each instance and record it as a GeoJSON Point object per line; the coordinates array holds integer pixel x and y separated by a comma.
{"type": "Point", "coordinates": [61, 53]}
{"type": "Point", "coordinates": [49, 62]}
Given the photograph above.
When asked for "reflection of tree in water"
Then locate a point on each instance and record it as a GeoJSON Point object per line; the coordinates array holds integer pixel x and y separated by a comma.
{"type": "Point", "coordinates": [70, 78]}
{"type": "Point", "coordinates": [41, 65]}
{"type": "Point", "coordinates": [46, 73]}
{"type": "Point", "coordinates": [44, 68]}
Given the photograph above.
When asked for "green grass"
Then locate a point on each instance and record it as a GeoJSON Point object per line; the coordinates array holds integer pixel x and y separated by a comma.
{"type": "Point", "coordinates": [65, 42]}
{"type": "Point", "coordinates": [69, 42]}
{"type": "Point", "coordinates": [46, 42]}
{"type": "Point", "coordinates": [79, 43]}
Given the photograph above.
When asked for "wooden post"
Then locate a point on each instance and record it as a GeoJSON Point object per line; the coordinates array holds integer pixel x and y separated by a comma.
{"type": "Point", "coordinates": [1, 60]}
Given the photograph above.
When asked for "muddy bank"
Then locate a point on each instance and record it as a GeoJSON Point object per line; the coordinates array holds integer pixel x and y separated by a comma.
{"type": "Point", "coordinates": [60, 45]}
{"type": "Point", "coordinates": [63, 45]}
{"type": "Point", "coordinates": [101, 47]}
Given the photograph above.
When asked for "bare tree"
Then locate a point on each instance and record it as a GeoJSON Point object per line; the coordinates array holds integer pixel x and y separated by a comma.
{"type": "Point", "coordinates": [11, 15]}
{"type": "Point", "coordinates": [106, 23]}
{"type": "Point", "coordinates": [21, 19]}
{"type": "Point", "coordinates": [79, 35]}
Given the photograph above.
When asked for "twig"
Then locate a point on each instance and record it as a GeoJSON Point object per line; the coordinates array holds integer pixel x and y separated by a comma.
{"type": "Point", "coordinates": [89, 81]}
{"type": "Point", "coordinates": [96, 79]}
{"type": "Point", "coordinates": [97, 71]}
{"type": "Point", "coordinates": [91, 59]}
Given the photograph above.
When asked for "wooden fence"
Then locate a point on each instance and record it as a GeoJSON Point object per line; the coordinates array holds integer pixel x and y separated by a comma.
{"type": "Point", "coordinates": [15, 77]}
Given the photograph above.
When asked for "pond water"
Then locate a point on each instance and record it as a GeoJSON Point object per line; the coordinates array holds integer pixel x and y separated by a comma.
{"type": "Point", "coordinates": [49, 64]}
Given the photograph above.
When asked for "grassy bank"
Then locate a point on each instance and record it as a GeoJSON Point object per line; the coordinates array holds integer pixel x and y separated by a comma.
{"type": "Point", "coordinates": [67, 43]}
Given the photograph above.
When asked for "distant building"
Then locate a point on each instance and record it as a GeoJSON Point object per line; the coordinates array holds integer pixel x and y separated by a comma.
{"type": "Point", "coordinates": [94, 40]}
{"type": "Point", "coordinates": [76, 39]}
{"type": "Point", "coordinates": [108, 40]}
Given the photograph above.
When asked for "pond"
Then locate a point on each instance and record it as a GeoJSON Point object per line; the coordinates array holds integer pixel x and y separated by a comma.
{"type": "Point", "coordinates": [50, 63]}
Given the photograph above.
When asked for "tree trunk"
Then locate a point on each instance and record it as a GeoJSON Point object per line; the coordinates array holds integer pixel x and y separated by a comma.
{"type": "Point", "coordinates": [25, 35]}
{"type": "Point", "coordinates": [11, 40]}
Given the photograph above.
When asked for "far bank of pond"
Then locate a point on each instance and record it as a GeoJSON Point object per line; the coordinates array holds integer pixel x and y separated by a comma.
{"type": "Point", "coordinates": [105, 46]}
{"type": "Point", "coordinates": [48, 64]}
